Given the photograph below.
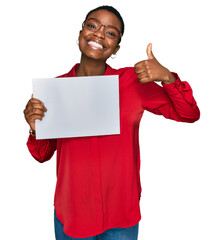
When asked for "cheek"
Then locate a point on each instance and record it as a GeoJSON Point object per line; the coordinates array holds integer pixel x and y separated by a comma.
{"type": "Point", "coordinates": [82, 42]}
{"type": "Point", "coordinates": [114, 45]}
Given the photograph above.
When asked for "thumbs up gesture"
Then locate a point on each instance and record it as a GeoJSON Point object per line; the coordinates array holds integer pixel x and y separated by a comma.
{"type": "Point", "coordinates": [151, 70]}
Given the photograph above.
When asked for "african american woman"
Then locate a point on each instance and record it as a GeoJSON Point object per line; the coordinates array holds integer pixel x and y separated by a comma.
{"type": "Point", "coordinates": [98, 177]}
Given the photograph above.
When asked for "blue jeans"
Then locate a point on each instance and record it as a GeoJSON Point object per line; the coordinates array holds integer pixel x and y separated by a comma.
{"type": "Point", "coordinates": [130, 233]}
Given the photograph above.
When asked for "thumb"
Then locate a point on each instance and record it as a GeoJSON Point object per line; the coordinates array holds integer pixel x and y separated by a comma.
{"type": "Point", "coordinates": [32, 96]}
{"type": "Point", "coordinates": [149, 51]}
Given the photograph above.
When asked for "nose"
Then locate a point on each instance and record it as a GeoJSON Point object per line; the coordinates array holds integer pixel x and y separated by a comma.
{"type": "Point", "coordinates": [100, 33]}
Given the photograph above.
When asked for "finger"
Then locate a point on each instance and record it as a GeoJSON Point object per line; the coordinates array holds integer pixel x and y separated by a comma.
{"type": "Point", "coordinates": [139, 64]}
{"type": "Point", "coordinates": [149, 51]}
{"type": "Point", "coordinates": [33, 106]}
{"type": "Point", "coordinates": [32, 118]}
{"type": "Point", "coordinates": [34, 100]}
{"type": "Point", "coordinates": [34, 111]}
{"type": "Point", "coordinates": [31, 111]}
{"type": "Point", "coordinates": [145, 80]}
{"type": "Point", "coordinates": [143, 68]}
{"type": "Point", "coordinates": [143, 75]}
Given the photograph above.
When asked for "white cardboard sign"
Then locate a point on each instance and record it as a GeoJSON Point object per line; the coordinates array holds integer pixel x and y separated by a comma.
{"type": "Point", "coordinates": [78, 106]}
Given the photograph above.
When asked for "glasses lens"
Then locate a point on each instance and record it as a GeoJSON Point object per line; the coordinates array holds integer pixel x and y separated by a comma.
{"type": "Point", "coordinates": [111, 32]}
{"type": "Point", "coordinates": [92, 25]}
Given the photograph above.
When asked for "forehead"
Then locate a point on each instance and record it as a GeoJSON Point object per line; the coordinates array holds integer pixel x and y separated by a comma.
{"type": "Point", "coordinates": [106, 18]}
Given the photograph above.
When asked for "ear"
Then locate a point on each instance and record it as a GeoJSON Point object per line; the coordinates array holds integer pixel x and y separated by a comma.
{"type": "Point", "coordinates": [116, 49]}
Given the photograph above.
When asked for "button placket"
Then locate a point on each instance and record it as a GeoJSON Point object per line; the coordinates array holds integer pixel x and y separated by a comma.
{"type": "Point", "coordinates": [97, 183]}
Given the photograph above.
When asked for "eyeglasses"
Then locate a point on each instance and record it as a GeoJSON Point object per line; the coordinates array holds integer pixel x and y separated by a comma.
{"type": "Point", "coordinates": [94, 25]}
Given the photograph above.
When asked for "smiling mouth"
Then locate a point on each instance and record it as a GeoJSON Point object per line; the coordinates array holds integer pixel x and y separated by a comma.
{"type": "Point", "coordinates": [95, 45]}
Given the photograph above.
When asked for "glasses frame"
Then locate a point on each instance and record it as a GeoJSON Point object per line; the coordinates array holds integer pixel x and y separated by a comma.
{"type": "Point", "coordinates": [83, 24]}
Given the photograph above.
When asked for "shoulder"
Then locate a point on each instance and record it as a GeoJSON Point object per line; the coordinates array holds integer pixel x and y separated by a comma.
{"type": "Point", "coordinates": [130, 71]}
{"type": "Point", "coordinates": [71, 73]}
{"type": "Point", "coordinates": [127, 75]}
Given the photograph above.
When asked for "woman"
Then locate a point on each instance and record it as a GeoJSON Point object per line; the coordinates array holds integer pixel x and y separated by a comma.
{"type": "Point", "coordinates": [98, 183]}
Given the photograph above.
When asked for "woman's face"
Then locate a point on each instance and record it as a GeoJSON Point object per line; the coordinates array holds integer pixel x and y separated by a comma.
{"type": "Point", "coordinates": [107, 46]}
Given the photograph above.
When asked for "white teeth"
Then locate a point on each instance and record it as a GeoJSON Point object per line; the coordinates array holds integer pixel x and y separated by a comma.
{"type": "Point", "coordinates": [95, 44]}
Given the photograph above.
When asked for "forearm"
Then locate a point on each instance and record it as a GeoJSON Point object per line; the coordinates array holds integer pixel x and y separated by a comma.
{"type": "Point", "coordinates": [170, 78]}
{"type": "Point", "coordinates": [182, 100]}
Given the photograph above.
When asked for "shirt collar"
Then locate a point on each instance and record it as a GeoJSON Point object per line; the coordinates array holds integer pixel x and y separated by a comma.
{"type": "Point", "coordinates": [72, 73]}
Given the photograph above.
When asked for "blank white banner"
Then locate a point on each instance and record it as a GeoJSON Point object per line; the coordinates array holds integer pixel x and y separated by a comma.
{"type": "Point", "coordinates": [78, 106]}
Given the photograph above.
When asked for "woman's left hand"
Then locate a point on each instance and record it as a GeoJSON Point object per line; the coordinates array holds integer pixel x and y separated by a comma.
{"type": "Point", "coordinates": [151, 70]}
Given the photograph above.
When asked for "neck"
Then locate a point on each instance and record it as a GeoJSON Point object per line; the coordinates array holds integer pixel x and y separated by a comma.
{"type": "Point", "coordinates": [90, 67]}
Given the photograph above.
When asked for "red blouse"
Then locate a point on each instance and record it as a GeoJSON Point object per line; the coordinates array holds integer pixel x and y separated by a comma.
{"type": "Point", "coordinates": [98, 178]}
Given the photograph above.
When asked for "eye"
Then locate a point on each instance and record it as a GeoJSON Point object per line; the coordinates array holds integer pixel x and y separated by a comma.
{"type": "Point", "coordinates": [111, 34]}
{"type": "Point", "coordinates": [90, 25]}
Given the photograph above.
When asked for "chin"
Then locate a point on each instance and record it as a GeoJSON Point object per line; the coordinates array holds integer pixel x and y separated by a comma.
{"type": "Point", "coordinates": [95, 56]}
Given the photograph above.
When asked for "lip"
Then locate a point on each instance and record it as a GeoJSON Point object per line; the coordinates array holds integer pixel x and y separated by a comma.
{"type": "Point", "coordinates": [97, 42]}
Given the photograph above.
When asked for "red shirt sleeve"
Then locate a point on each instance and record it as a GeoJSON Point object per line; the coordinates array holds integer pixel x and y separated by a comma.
{"type": "Point", "coordinates": [174, 101]}
{"type": "Point", "coordinates": [42, 149]}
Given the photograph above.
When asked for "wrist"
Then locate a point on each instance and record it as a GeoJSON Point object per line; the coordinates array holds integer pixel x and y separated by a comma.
{"type": "Point", "coordinates": [170, 78]}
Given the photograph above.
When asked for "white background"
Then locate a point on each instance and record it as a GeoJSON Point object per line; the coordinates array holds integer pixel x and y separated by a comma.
{"type": "Point", "coordinates": [181, 164]}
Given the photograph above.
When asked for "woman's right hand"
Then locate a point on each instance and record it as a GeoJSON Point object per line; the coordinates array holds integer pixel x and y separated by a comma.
{"type": "Point", "coordinates": [34, 110]}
